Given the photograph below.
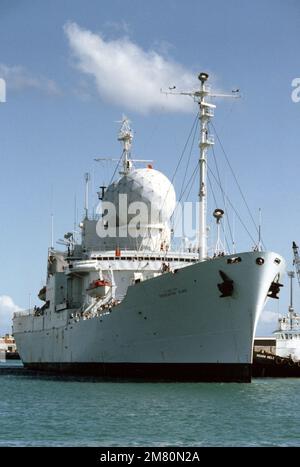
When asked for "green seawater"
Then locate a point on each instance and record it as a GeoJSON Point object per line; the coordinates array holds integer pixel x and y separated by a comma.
{"type": "Point", "coordinates": [51, 411]}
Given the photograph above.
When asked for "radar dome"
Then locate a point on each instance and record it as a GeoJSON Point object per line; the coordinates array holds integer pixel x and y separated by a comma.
{"type": "Point", "coordinates": [147, 186]}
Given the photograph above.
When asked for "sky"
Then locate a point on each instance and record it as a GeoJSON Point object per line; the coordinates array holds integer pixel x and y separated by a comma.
{"type": "Point", "coordinates": [72, 68]}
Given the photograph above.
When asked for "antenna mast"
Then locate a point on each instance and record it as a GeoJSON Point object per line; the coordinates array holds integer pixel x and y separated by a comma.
{"type": "Point", "coordinates": [205, 113]}
{"type": "Point", "coordinates": [291, 275]}
{"type": "Point", "coordinates": [126, 137]}
{"type": "Point", "coordinates": [296, 261]}
{"type": "Point", "coordinates": [206, 140]}
{"type": "Point", "coordinates": [52, 232]}
{"type": "Point", "coordinates": [52, 222]}
{"type": "Point", "coordinates": [75, 217]}
{"type": "Point", "coordinates": [259, 230]}
{"type": "Point", "coordinates": [86, 200]}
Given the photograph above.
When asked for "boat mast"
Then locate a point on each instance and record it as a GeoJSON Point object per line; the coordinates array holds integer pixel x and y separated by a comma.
{"type": "Point", "coordinates": [52, 232]}
{"type": "Point", "coordinates": [86, 194]}
{"type": "Point", "coordinates": [126, 137]}
{"type": "Point", "coordinates": [296, 261]}
{"type": "Point", "coordinates": [205, 114]}
{"type": "Point", "coordinates": [291, 275]}
{"type": "Point", "coordinates": [206, 140]}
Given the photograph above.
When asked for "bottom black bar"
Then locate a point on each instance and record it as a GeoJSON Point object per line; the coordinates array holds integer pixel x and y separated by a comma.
{"type": "Point", "coordinates": [147, 455]}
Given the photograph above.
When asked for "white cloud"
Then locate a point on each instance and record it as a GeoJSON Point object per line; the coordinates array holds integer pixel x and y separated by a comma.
{"type": "Point", "coordinates": [127, 75]}
{"type": "Point", "coordinates": [7, 309]}
{"type": "Point", "coordinates": [18, 78]}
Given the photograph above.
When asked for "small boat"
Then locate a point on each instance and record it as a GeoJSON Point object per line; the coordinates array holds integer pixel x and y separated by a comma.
{"type": "Point", "coordinates": [42, 294]}
{"type": "Point", "coordinates": [12, 355]}
{"type": "Point", "coordinates": [280, 357]}
{"type": "Point", "coordinates": [288, 332]}
{"type": "Point", "coordinates": [269, 365]}
{"type": "Point", "coordinates": [98, 288]}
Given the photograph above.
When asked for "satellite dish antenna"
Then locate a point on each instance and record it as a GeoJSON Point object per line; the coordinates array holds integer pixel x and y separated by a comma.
{"type": "Point", "coordinates": [203, 77]}
{"type": "Point", "coordinates": [218, 214]}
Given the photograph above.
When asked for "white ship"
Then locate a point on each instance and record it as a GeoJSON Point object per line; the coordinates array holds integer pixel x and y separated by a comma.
{"type": "Point", "coordinates": [131, 307]}
{"type": "Point", "coordinates": [288, 332]}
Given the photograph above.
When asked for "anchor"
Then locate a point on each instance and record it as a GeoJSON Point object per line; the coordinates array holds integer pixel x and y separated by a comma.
{"type": "Point", "coordinates": [274, 290]}
{"type": "Point", "coordinates": [226, 287]}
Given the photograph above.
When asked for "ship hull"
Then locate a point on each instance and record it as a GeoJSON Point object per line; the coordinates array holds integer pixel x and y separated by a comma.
{"type": "Point", "coordinates": [190, 372]}
{"type": "Point", "coordinates": [172, 327]}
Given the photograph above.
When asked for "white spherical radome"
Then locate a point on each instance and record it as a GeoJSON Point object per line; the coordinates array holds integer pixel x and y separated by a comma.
{"type": "Point", "coordinates": [148, 186]}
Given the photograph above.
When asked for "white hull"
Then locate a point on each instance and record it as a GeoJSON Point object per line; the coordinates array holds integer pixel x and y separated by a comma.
{"type": "Point", "coordinates": [171, 319]}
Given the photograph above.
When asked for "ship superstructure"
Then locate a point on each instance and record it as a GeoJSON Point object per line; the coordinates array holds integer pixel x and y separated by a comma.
{"type": "Point", "coordinates": [123, 303]}
{"type": "Point", "coordinates": [288, 332]}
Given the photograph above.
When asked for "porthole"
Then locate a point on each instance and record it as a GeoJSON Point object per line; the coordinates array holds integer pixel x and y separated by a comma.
{"type": "Point", "coordinates": [260, 261]}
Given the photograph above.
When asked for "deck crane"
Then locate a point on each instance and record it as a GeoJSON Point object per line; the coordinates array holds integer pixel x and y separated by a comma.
{"type": "Point", "coordinates": [296, 261]}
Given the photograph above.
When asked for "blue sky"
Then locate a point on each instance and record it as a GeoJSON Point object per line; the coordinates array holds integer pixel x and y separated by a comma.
{"type": "Point", "coordinates": [65, 93]}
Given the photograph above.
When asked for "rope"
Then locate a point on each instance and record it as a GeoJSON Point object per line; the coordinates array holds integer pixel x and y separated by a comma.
{"type": "Point", "coordinates": [236, 212]}
{"type": "Point", "coordinates": [222, 226]}
{"type": "Point", "coordinates": [181, 157]}
{"type": "Point", "coordinates": [185, 146]}
{"type": "Point", "coordinates": [176, 169]}
{"type": "Point", "coordinates": [190, 182]}
{"type": "Point", "coordinates": [219, 178]}
{"type": "Point", "coordinates": [236, 181]}
{"type": "Point", "coordinates": [113, 175]}
{"type": "Point", "coordinates": [189, 158]}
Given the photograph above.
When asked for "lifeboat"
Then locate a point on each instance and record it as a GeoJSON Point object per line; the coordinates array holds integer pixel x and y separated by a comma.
{"type": "Point", "coordinates": [98, 288]}
{"type": "Point", "coordinates": [42, 294]}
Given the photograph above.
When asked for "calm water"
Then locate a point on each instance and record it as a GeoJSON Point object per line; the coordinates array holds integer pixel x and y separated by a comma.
{"type": "Point", "coordinates": [55, 412]}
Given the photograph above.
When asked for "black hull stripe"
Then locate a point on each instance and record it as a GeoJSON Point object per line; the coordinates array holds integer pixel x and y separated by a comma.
{"type": "Point", "coordinates": [192, 372]}
{"type": "Point", "coordinates": [275, 371]}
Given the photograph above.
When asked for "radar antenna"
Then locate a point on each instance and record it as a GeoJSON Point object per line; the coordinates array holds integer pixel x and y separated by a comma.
{"type": "Point", "coordinates": [218, 214]}
{"type": "Point", "coordinates": [125, 136]}
{"type": "Point", "coordinates": [206, 140]}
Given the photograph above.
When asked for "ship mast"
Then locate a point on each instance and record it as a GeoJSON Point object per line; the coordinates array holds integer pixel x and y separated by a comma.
{"type": "Point", "coordinates": [205, 114]}
{"type": "Point", "coordinates": [87, 178]}
{"type": "Point", "coordinates": [291, 275]}
{"type": "Point", "coordinates": [126, 137]}
{"type": "Point", "coordinates": [206, 140]}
